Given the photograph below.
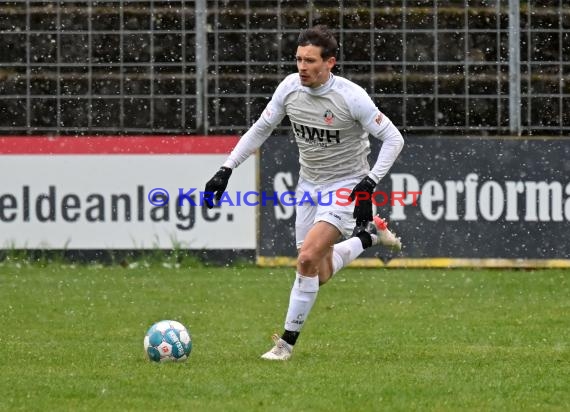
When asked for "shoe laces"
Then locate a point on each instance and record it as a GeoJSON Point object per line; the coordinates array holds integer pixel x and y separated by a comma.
{"type": "Point", "coordinates": [280, 345]}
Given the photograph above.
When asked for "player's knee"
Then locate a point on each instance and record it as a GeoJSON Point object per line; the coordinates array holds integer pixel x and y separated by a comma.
{"type": "Point", "coordinates": [307, 261]}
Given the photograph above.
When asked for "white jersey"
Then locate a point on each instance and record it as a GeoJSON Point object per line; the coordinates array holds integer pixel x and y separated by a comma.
{"type": "Point", "coordinates": [331, 125]}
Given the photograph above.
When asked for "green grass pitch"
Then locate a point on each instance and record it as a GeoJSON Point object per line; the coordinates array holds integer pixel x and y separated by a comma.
{"type": "Point", "coordinates": [376, 340]}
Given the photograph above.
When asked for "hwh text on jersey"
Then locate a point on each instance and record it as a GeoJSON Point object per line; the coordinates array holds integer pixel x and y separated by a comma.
{"type": "Point", "coordinates": [316, 136]}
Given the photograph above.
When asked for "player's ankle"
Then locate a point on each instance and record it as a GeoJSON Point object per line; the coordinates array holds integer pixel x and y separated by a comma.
{"type": "Point", "coordinates": [290, 337]}
{"type": "Point", "coordinates": [365, 238]}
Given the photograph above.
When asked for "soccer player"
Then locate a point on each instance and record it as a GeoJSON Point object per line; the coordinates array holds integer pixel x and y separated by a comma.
{"type": "Point", "coordinates": [332, 119]}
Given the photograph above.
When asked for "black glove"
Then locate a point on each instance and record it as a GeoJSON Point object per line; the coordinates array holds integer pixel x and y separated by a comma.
{"type": "Point", "coordinates": [363, 206]}
{"type": "Point", "coordinates": [216, 186]}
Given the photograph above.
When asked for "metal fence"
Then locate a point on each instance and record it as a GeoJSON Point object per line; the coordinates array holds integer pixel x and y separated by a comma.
{"type": "Point", "coordinates": [210, 66]}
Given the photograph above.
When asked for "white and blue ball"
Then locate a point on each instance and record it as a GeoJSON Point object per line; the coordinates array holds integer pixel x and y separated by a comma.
{"type": "Point", "coordinates": [167, 340]}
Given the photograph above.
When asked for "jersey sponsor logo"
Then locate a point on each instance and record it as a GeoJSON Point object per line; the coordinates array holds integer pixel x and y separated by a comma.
{"type": "Point", "coordinates": [329, 117]}
{"type": "Point", "coordinates": [316, 136]}
{"type": "Point", "coordinates": [378, 119]}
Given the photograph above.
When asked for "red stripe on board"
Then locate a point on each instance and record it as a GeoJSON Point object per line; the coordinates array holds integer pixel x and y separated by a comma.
{"type": "Point", "coordinates": [14, 145]}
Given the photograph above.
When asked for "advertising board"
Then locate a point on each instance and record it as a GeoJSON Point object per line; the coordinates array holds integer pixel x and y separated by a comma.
{"type": "Point", "coordinates": [110, 193]}
{"type": "Point", "coordinates": [454, 201]}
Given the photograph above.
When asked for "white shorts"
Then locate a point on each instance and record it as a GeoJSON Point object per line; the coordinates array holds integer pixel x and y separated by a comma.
{"type": "Point", "coordinates": [321, 203]}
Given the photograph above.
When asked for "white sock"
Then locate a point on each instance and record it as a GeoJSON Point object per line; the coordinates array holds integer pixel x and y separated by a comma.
{"type": "Point", "coordinates": [303, 296]}
{"type": "Point", "coordinates": [345, 252]}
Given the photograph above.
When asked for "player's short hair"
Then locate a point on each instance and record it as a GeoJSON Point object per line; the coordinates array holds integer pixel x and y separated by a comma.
{"type": "Point", "coordinates": [319, 36]}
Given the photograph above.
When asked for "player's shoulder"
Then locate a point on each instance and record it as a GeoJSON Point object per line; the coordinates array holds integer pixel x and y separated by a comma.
{"type": "Point", "coordinates": [290, 82]}
{"type": "Point", "coordinates": [288, 85]}
{"type": "Point", "coordinates": [354, 96]}
{"type": "Point", "coordinates": [357, 101]}
{"type": "Point", "coordinates": [346, 85]}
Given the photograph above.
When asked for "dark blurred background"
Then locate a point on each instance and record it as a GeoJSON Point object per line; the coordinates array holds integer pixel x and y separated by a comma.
{"type": "Point", "coordinates": [131, 67]}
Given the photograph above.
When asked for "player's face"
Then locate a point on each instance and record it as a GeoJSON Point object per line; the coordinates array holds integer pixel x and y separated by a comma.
{"type": "Point", "coordinates": [313, 70]}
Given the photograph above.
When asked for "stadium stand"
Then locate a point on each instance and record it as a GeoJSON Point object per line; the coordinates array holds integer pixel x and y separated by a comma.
{"type": "Point", "coordinates": [129, 67]}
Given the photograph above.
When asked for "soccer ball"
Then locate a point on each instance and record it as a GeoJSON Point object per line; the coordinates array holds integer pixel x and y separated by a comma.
{"type": "Point", "coordinates": [167, 340]}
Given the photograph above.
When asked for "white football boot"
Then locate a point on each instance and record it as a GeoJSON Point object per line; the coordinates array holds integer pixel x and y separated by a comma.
{"type": "Point", "coordinates": [381, 235]}
{"type": "Point", "coordinates": [281, 351]}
